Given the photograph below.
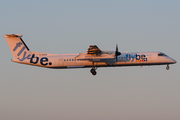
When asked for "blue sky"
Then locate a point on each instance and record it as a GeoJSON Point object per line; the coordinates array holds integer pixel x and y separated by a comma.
{"type": "Point", "coordinates": [62, 27]}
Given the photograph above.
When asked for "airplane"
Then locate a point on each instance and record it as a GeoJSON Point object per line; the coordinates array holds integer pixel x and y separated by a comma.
{"type": "Point", "coordinates": [92, 58]}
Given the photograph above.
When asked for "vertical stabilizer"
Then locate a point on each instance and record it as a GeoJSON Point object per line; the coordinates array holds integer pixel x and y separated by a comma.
{"type": "Point", "coordinates": [18, 48]}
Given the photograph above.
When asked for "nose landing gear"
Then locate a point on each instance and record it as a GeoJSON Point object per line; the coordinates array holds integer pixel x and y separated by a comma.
{"type": "Point", "coordinates": [167, 68]}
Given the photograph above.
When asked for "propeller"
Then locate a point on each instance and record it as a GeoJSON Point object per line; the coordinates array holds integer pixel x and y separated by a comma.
{"type": "Point", "coordinates": [117, 53]}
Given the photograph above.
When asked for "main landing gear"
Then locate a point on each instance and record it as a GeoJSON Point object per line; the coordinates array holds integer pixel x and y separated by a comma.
{"type": "Point", "coordinates": [93, 70]}
{"type": "Point", "coordinates": [167, 68]}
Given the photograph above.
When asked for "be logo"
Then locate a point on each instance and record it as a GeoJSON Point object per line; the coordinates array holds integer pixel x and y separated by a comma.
{"type": "Point", "coordinates": [43, 61]}
{"type": "Point", "coordinates": [141, 58]}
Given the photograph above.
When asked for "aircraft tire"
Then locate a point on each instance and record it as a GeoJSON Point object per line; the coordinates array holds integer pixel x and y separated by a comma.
{"type": "Point", "coordinates": [167, 68]}
{"type": "Point", "coordinates": [93, 71]}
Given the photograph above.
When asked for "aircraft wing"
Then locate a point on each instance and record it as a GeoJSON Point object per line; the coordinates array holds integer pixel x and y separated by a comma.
{"type": "Point", "coordinates": [93, 49]}
{"type": "Point", "coordinates": [94, 58]}
{"type": "Point", "coordinates": [96, 55]}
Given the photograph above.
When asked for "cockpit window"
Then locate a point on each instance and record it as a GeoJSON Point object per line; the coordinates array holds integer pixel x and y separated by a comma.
{"type": "Point", "coordinates": [162, 54]}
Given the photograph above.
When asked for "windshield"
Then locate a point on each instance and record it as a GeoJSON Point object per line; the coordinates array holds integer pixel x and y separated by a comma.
{"type": "Point", "coordinates": [162, 54]}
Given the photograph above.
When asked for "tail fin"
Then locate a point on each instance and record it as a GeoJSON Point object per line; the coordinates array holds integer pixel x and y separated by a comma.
{"type": "Point", "coordinates": [18, 48]}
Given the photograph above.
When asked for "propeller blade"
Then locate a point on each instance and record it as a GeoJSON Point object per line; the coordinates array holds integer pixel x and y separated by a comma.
{"type": "Point", "coordinates": [117, 52]}
{"type": "Point", "coordinates": [116, 48]}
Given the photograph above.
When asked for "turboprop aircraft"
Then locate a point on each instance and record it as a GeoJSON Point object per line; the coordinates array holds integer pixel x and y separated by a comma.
{"type": "Point", "coordinates": [92, 58]}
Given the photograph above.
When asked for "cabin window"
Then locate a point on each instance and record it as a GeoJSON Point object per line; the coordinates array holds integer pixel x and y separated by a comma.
{"type": "Point", "coordinates": [64, 60]}
{"type": "Point", "coordinates": [69, 59]}
{"type": "Point", "coordinates": [72, 59]}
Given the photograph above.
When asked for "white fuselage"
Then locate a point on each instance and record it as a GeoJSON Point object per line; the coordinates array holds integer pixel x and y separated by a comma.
{"type": "Point", "coordinates": [71, 60]}
{"type": "Point", "coordinates": [94, 57]}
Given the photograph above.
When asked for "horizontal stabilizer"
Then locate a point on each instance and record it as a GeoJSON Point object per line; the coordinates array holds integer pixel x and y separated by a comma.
{"type": "Point", "coordinates": [12, 35]}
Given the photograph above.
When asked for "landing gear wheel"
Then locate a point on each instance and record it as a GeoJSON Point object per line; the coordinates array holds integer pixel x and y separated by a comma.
{"type": "Point", "coordinates": [93, 71]}
{"type": "Point", "coordinates": [167, 68]}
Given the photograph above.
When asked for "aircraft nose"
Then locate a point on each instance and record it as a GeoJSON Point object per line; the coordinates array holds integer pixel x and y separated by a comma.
{"type": "Point", "coordinates": [173, 61]}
